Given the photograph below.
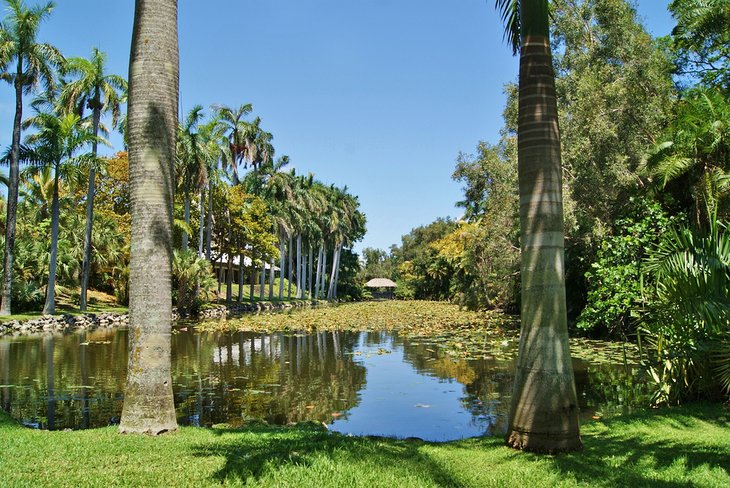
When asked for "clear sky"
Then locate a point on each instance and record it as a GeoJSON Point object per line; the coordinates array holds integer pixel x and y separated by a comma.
{"type": "Point", "coordinates": [378, 95]}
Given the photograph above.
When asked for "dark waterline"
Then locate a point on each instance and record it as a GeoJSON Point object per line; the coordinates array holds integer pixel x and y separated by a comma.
{"type": "Point", "coordinates": [360, 383]}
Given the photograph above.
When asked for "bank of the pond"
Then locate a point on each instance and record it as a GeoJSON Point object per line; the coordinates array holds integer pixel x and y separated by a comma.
{"type": "Point", "coordinates": [27, 324]}
{"type": "Point", "coordinates": [687, 446]}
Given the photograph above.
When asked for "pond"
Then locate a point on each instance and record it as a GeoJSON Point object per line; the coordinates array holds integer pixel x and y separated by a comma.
{"type": "Point", "coordinates": [360, 383]}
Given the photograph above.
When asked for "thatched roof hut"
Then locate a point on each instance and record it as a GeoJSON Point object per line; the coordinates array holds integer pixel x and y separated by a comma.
{"type": "Point", "coordinates": [380, 283]}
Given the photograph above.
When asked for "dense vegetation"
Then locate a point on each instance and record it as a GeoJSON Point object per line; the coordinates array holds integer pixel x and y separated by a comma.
{"type": "Point", "coordinates": [237, 208]}
{"type": "Point", "coordinates": [646, 174]}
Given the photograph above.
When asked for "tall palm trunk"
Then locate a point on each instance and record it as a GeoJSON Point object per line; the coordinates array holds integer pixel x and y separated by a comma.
{"type": "Point", "coordinates": [319, 272]}
{"type": "Point", "coordinates": [331, 288]}
{"type": "Point", "coordinates": [299, 266]}
{"type": "Point", "coordinates": [50, 305]}
{"type": "Point", "coordinates": [253, 281]}
{"type": "Point", "coordinates": [303, 294]}
{"type": "Point", "coordinates": [337, 271]}
{"type": "Point", "coordinates": [281, 266]}
{"type": "Point", "coordinates": [544, 410]}
{"type": "Point", "coordinates": [201, 223]}
{"type": "Point", "coordinates": [209, 224]}
{"type": "Point", "coordinates": [291, 273]}
{"type": "Point", "coordinates": [309, 274]}
{"type": "Point", "coordinates": [263, 279]}
{"type": "Point", "coordinates": [153, 97]}
{"type": "Point", "coordinates": [324, 270]}
{"type": "Point", "coordinates": [271, 279]}
{"type": "Point", "coordinates": [14, 181]}
{"type": "Point", "coordinates": [90, 193]}
{"type": "Point", "coordinates": [186, 217]}
{"type": "Point", "coordinates": [240, 278]}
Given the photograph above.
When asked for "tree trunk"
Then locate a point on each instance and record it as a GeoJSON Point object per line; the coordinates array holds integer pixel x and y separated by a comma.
{"type": "Point", "coordinates": [153, 98]}
{"type": "Point", "coordinates": [323, 285]}
{"type": "Point", "coordinates": [304, 272]}
{"type": "Point", "coordinates": [331, 288]}
{"type": "Point", "coordinates": [90, 193]}
{"type": "Point", "coordinates": [271, 279]}
{"type": "Point", "coordinates": [309, 273]}
{"type": "Point", "coordinates": [253, 282]}
{"type": "Point", "coordinates": [201, 223]}
{"type": "Point", "coordinates": [14, 180]}
{"type": "Point", "coordinates": [240, 278]}
{"type": "Point", "coordinates": [50, 306]}
{"type": "Point", "coordinates": [209, 224]}
{"type": "Point", "coordinates": [337, 271]}
{"type": "Point", "coordinates": [186, 217]}
{"type": "Point", "coordinates": [263, 280]}
{"type": "Point", "coordinates": [544, 411]}
{"type": "Point", "coordinates": [282, 252]}
{"type": "Point", "coordinates": [291, 274]}
{"type": "Point", "coordinates": [299, 266]}
{"type": "Point", "coordinates": [319, 273]}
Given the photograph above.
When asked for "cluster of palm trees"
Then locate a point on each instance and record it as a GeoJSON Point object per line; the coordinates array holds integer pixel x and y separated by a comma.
{"type": "Point", "coordinates": [214, 153]}
{"type": "Point", "coordinates": [308, 218]}
{"type": "Point", "coordinates": [75, 93]}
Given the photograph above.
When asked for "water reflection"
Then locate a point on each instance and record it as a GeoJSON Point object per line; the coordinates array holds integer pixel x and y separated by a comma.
{"type": "Point", "coordinates": [360, 383]}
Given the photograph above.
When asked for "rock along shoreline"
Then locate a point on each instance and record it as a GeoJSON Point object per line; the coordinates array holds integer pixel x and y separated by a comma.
{"type": "Point", "coordinates": [90, 321]}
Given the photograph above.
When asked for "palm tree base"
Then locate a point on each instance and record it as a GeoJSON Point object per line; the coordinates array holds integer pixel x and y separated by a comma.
{"type": "Point", "coordinates": [544, 443]}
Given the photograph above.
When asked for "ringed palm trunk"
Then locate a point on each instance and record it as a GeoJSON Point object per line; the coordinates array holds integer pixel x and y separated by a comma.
{"type": "Point", "coordinates": [324, 270]}
{"type": "Point", "coordinates": [331, 288]}
{"type": "Point", "coordinates": [86, 266]}
{"type": "Point", "coordinates": [49, 307]}
{"type": "Point", "coordinates": [337, 271]}
{"type": "Point", "coordinates": [14, 181]}
{"type": "Point", "coordinates": [153, 99]}
{"type": "Point", "coordinates": [544, 411]}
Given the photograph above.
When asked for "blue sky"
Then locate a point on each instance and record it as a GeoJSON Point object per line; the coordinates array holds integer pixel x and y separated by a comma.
{"type": "Point", "coordinates": [378, 95]}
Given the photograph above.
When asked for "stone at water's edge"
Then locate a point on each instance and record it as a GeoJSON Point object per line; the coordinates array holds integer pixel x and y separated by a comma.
{"type": "Point", "coordinates": [67, 322]}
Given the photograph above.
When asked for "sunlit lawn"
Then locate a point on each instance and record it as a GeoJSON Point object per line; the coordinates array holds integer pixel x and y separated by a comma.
{"type": "Point", "coordinates": [688, 446]}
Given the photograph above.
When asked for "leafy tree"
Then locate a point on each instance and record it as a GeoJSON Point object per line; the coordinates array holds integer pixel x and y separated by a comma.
{"type": "Point", "coordinates": [57, 142]}
{"type": "Point", "coordinates": [701, 40]}
{"type": "Point", "coordinates": [25, 63]}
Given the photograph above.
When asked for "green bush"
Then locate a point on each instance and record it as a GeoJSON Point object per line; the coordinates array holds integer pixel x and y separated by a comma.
{"type": "Point", "coordinates": [615, 279]}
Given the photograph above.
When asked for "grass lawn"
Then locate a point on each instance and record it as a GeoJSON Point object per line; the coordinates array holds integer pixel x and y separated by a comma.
{"type": "Point", "coordinates": [687, 446]}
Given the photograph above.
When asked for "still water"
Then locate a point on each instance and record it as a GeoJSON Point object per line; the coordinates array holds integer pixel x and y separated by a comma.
{"type": "Point", "coordinates": [360, 383]}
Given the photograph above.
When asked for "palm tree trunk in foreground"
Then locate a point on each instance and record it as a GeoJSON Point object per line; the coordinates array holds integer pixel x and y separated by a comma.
{"type": "Point", "coordinates": [153, 97]}
{"type": "Point", "coordinates": [49, 308]}
{"type": "Point", "coordinates": [544, 410]}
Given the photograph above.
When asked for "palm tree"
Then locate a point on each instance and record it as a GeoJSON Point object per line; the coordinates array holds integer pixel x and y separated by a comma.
{"type": "Point", "coordinates": [235, 126]}
{"type": "Point", "coordinates": [191, 162]}
{"type": "Point", "coordinates": [100, 92]}
{"type": "Point", "coordinates": [25, 63]}
{"type": "Point", "coordinates": [56, 143]}
{"type": "Point", "coordinates": [152, 127]}
{"type": "Point", "coordinates": [544, 411]}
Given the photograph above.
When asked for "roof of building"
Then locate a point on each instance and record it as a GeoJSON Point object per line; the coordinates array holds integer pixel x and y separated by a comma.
{"type": "Point", "coordinates": [380, 283]}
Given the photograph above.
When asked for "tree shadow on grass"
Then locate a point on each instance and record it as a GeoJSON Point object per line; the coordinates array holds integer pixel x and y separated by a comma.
{"type": "Point", "coordinates": [654, 442]}
{"type": "Point", "coordinates": [252, 453]}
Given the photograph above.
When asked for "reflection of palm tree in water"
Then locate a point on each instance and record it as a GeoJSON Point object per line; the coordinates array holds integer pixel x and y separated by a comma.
{"type": "Point", "coordinates": [50, 389]}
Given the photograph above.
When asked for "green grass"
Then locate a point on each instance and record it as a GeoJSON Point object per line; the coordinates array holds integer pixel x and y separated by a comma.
{"type": "Point", "coordinates": [67, 303]}
{"type": "Point", "coordinates": [688, 446]}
